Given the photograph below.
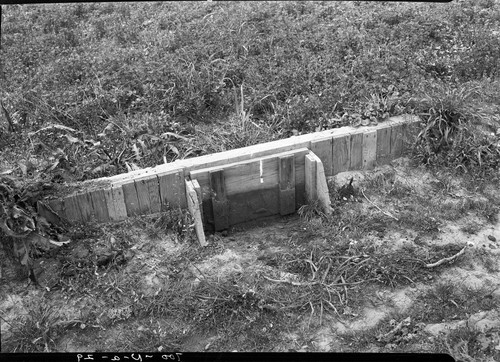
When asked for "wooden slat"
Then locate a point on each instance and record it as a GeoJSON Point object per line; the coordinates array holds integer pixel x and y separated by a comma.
{"type": "Point", "coordinates": [100, 207]}
{"type": "Point", "coordinates": [356, 161]}
{"type": "Point", "coordinates": [397, 141]}
{"type": "Point", "coordinates": [369, 149]}
{"type": "Point", "coordinates": [341, 153]}
{"type": "Point", "coordinates": [142, 190]}
{"type": "Point", "coordinates": [310, 175]}
{"type": "Point", "coordinates": [195, 210]}
{"type": "Point", "coordinates": [324, 150]}
{"type": "Point", "coordinates": [287, 184]}
{"type": "Point", "coordinates": [172, 189]}
{"type": "Point", "coordinates": [246, 176]}
{"type": "Point", "coordinates": [321, 186]}
{"type": "Point", "coordinates": [131, 198]}
{"type": "Point", "coordinates": [84, 202]}
{"type": "Point", "coordinates": [384, 146]}
{"type": "Point", "coordinates": [71, 210]}
{"type": "Point", "coordinates": [119, 204]}
{"type": "Point", "coordinates": [197, 188]}
{"type": "Point", "coordinates": [220, 203]}
{"type": "Point", "coordinates": [154, 194]}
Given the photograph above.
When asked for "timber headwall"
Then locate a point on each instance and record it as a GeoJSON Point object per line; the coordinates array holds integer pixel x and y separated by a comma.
{"type": "Point", "coordinates": [241, 184]}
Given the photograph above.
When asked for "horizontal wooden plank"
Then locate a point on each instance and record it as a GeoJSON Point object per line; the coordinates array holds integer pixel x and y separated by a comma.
{"type": "Point", "coordinates": [252, 175]}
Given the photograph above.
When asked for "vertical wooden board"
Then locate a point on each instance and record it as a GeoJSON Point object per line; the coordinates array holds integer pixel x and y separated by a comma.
{"type": "Point", "coordinates": [310, 175]}
{"type": "Point", "coordinates": [172, 190]}
{"type": "Point", "coordinates": [383, 145]}
{"type": "Point", "coordinates": [356, 162]}
{"type": "Point", "coordinates": [199, 194]}
{"type": "Point", "coordinates": [321, 186]}
{"type": "Point", "coordinates": [341, 153]}
{"type": "Point", "coordinates": [131, 199]}
{"type": "Point", "coordinates": [324, 150]}
{"type": "Point", "coordinates": [287, 184]}
{"type": "Point", "coordinates": [119, 203]}
{"type": "Point", "coordinates": [100, 207]}
{"type": "Point", "coordinates": [142, 189]}
{"type": "Point", "coordinates": [220, 203]}
{"type": "Point", "coordinates": [71, 210]}
{"type": "Point", "coordinates": [85, 204]}
{"type": "Point", "coordinates": [369, 149]}
{"type": "Point", "coordinates": [154, 194]}
{"type": "Point", "coordinates": [195, 210]}
{"type": "Point", "coordinates": [397, 141]}
{"type": "Point", "coordinates": [108, 195]}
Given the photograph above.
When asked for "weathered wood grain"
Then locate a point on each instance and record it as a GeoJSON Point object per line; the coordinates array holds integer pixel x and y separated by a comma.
{"type": "Point", "coordinates": [194, 209]}
{"type": "Point", "coordinates": [287, 184]}
{"type": "Point", "coordinates": [131, 198]}
{"type": "Point", "coordinates": [323, 148]}
{"type": "Point", "coordinates": [172, 189]}
{"type": "Point", "coordinates": [356, 151]}
{"type": "Point", "coordinates": [341, 153]}
{"type": "Point", "coordinates": [100, 207]}
{"type": "Point", "coordinates": [220, 203]}
{"type": "Point", "coordinates": [384, 145]}
{"type": "Point", "coordinates": [369, 149]}
{"type": "Point", "coordinates": [321, 187]}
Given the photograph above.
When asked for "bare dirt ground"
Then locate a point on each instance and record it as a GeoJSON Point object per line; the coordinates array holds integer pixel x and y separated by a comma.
{"type": "Point", "coordinates": [362, 280]}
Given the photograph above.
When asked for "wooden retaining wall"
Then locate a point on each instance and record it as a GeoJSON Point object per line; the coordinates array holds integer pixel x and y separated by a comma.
{"type": "Point", "coordinates": [237, 185]}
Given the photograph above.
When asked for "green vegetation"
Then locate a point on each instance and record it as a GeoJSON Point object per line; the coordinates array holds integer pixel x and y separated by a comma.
{"type": "Point", "coordinates": [142, 83]}
{"type": "Point", "coordinates": [91, 90]}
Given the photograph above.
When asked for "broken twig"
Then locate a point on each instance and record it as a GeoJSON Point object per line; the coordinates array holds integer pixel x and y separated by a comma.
{"type": "Point", "coordinates": [446, 260]}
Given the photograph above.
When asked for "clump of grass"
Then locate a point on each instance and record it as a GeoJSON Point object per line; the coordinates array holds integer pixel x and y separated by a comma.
{"type": "Point", "coordinates": [450, 138]}
{"type": "Point", "coordinates": [448, 299]}
{"type": "Point", "coordinates": [470, 345]}
{"type": "Point", "coordinates": [37, 331]}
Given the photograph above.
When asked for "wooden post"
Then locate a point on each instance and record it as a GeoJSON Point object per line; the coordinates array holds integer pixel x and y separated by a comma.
{"type": "Point", "coordinates": [310, 174]}
{"type": "Point", "coordinates": [195, 210]}
{"type": "Point", "coordinates": [321, 187]}
{"type": "Point", "coordinates": [287, 184]}
{"type": "Point", "coordinates": [369, 149]}
{"type": "Point", "coordinates": [220, 204]}
{"type": "Point", "coordinates": [197, 188]}
{"type": "Point", "coordinates": [341, 153]}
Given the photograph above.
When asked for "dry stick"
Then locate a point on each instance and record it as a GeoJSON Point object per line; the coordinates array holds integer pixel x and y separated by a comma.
{"type": "Point", "coordinates": [445, 260]}
{"type": "Point", "coordinates": [297, 284]}
{"type": "Point", "coordinates": [379, 209]}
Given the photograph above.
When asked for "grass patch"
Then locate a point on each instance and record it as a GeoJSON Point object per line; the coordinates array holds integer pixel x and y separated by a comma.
{"type": "Point", "coordinates": [448, 300]}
